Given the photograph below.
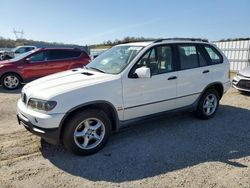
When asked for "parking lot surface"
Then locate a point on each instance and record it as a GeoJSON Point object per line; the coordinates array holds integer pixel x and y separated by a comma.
{"type": "Point", "coordinates": [176, 150]}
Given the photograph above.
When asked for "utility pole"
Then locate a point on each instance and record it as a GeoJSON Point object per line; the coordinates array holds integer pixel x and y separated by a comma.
{"type": "Point", "coordinates": [18, 34]}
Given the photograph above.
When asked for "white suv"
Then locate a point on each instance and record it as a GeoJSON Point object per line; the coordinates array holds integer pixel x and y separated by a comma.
{"type": "Point", "coordinates": [129, 82]}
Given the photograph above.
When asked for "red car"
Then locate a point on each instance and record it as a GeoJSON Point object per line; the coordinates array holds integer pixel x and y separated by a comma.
{"type": "Point", "coordinates": [38, 63]}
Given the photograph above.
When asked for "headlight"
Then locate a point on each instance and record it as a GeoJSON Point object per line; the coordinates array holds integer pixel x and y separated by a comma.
{"type": "Point", "coordinates": [41, 104]}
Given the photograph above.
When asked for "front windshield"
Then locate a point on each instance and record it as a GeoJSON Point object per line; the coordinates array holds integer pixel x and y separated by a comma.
{"type": "Point", "coordinates": [21, 56]}
{"type": "Point", "coordinates": [114, 60]}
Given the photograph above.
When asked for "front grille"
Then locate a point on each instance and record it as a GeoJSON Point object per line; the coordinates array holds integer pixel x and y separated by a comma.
{"type": "Point", "coordinates": [244, 84]}
{"type": "Point", "coordinates": [24, 97]}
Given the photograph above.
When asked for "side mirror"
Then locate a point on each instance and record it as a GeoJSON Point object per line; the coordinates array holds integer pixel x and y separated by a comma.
{"type": "Point", "coordinates": [27, 60]}
{"type": "Point", "coordinates": [143, 72]}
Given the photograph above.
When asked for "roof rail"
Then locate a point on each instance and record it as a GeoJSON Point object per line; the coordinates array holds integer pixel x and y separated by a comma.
{"type": "Point", "coordinates": [185, 39]}
{"type": "Point", "coordinates": [77, 49]}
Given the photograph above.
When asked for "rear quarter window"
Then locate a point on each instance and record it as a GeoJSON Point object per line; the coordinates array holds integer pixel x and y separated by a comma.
{"type": "Point", "coordinates": [214, 55]}
{"type": "Point", "coordinates": [72, 54]}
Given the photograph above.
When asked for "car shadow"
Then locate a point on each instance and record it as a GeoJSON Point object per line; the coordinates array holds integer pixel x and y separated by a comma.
{"type": "Point", "coordinates": [162, 145]}
{"type": "Point", "coordinates": [245, 93]}
{"type": "Point", "coordinates": [15, 91]}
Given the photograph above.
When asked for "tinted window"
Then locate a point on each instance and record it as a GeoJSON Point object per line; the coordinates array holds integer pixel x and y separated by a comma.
{"type": "Point", "coordinates": [63, 54]}
{"type": "Point", "coordinates": [38, 57]}
{"type": "Point", "coordinates": [188, 57]}
{"type": "Point", "coordinates": [158, 59]}
{"type": "Point", "coordinates": [72, 54]}
{"type": "Point", "coordinates": [214, 55]}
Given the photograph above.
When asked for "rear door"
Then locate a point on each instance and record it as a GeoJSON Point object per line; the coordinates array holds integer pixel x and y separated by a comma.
{"type": "Point", "coordinates": [193, 75]}
{"type": "Point", "coordinates": [219, 72]}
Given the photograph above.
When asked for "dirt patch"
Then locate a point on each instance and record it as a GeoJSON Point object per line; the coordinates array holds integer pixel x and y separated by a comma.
{"type": "Point", "coordinates": [176, 150]}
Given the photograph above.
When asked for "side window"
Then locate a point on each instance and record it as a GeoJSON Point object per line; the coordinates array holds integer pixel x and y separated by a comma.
{"type": "Point", "coordinates": [63, 54]}
{"type": "Point", "coordinates": [214, 55]}
{"type": "Point", "coordinates": [37, 57]}
{"type": "Point", "coordinates": [20, 50]}
{"type": "Point", "coordinates": [72, 54]}
{"type": "Point", "coordinates": [27, 49]}
{"type": "Point", "coordinates": [202, 59]}
{"type": "Point", "coordinates": [188, 57]}
{"type": "Point", "coordinates": [158, 59]}
{"type": "Point", "coordinates": [56, 55]}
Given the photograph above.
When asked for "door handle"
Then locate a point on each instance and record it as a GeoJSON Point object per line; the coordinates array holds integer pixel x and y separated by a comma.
{"type": "Point", "coordinates": [172, 77]}
{"type": "Point", "coordinates": [205, 71]}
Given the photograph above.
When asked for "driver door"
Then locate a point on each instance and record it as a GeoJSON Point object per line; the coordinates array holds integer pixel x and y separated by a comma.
{"type": "Point", "coordinates": [36, 66]}
{"type": "Point", "coordinates": [145, 96]}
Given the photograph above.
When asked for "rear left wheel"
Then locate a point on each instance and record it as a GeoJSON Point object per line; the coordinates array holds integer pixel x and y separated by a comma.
{"type": "Point", "coordinates": [208, 104]}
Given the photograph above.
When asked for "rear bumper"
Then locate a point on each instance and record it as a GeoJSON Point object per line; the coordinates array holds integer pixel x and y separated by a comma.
{"type": "Point", "coordinates": [50, 135]}
{"type": "Point", "coordinates": [226, 86]}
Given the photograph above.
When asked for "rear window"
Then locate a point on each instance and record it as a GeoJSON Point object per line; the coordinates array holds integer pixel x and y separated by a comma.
{"type": "Point", "coordinates": [214, 55]}
{"type": "Point", "coordinates": [63, 54]}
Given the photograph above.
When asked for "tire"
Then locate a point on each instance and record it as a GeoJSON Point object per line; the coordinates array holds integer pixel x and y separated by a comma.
{"type": "Point", "coordinates": [208, 104]}
{"type": "Point", "coordinates": [11, 81]}
{"type": "Point", "coordinates": [87, 132]}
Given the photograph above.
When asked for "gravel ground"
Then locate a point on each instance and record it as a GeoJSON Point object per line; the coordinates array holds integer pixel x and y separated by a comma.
{"type": "Point", "coordinates": [176, 150]}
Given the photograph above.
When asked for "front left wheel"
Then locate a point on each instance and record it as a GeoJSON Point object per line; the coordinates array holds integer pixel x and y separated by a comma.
{"type": "Point", "coordinates": [11, 81]}
{"type": "Point", "coordinates": [87, 132]}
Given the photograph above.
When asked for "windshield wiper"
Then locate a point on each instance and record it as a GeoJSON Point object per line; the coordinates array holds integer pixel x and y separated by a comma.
{"type": "Point", "coordinates": [99, 70]}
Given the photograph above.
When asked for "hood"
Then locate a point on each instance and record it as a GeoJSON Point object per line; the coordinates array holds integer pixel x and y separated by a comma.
{"type": "Point", "coordinates": [245, 72]}
{"type": "Point", "coordinates": [59, 83]}
{"type": "Point", "coordinates": [5, 62]}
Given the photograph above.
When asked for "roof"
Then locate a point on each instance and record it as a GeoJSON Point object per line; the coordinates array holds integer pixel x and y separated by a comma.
{"type": "Point", "coordinates": [136, 44]}
{"type": "Point", "coordinates": [167, 40]}
{"type": "Point", "coordinates": [59, 48]}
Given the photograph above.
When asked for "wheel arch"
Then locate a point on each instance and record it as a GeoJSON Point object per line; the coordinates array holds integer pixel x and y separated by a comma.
{"type": "Point", "coordinates": [218, 86]}
{"type": "Point", "coordinates": [106, 106]}
{"type": "Point", "coordinates": [11, 72]}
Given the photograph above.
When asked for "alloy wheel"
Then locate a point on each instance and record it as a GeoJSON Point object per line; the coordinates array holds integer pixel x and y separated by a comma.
{"type": "Point", "coordinates": [89, 133]}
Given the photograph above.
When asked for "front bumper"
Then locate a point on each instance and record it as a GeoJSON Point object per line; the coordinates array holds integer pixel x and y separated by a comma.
{"type": "Point", "coordinates": [43, 125]}
{"type": "Point", "coordinates": [50, 135]}
{"type": "Point", "coordinates": [241, 83]}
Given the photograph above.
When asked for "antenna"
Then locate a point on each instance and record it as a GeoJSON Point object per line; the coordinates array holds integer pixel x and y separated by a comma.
{"type": "Point", "coordinates": [18, 34]}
